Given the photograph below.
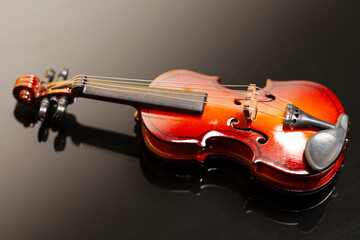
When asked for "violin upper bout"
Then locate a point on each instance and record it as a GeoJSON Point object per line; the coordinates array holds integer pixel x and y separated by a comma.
{"type": "Point", "coordinates": [184, 76]}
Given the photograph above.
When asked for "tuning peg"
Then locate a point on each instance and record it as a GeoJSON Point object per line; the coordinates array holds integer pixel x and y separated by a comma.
{"type": "Point", "coordinates": [44, 106]}
{"type": "Point", "coordinates": [48, 76]}
{"type": "Point", "coordinates": [62, 101]}
{"type": "Point", "coordinates": [45, 103]}
{"type": "Point", "coordinates": [63, 74]}
{"type": "Point", "coordinates": [61, 107]}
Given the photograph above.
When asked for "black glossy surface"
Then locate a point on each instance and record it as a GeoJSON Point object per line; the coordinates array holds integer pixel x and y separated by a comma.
{"type": "Point", "coordinates": [101, 183]}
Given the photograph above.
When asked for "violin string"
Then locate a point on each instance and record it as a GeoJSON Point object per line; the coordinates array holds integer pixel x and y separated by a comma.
{"type": "Point", "coordinates": [190, 100]}
{"type": "Point", "coordinates": [143, 84]}
{"type": "Point", "coordinates": [163, 90]}
{"type": "Point", "coordinates": [149, 81]}
{"type": "Point", "coordinates": [196, 101]}
{"type": "Point", "coordinates": [81, 78]}
{"type": "Point", "coordinates": [188, 93]}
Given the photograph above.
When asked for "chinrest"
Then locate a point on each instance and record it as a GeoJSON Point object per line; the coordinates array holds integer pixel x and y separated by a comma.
{"type": "Point", "coordinates": [324, 147]}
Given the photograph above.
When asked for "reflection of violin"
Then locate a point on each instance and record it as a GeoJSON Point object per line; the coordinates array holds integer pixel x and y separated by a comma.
{"type": "Point", "coordinates": [304, 211]}
{"type": "Point", "coordinates": [189, 116]}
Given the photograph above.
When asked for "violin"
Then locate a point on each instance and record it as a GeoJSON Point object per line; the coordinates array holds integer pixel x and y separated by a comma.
{"type": "Point", "coordinates": [290, 135]}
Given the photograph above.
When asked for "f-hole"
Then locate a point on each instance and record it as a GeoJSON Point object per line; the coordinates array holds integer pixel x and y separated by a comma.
{"type": "Point", "coordinates": [269, 98]}
{"type": "Point", "coordinates": [269, 95]}
{"type": "Point", "coordinates": [262, 140]}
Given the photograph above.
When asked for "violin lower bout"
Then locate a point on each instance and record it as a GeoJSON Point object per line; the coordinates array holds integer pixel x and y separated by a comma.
{"type": "Point", "coordinates": [241, 153]}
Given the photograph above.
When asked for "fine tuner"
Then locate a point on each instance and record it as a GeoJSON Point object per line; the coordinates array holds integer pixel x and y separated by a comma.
{"type": "Point", "coordinates": [291, 135]}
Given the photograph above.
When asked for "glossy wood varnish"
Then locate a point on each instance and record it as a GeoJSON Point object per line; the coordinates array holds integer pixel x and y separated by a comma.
{"type": "Point", "coordinates": [279, 162]}
{"type": "Point", "coordinates": [273, 152]}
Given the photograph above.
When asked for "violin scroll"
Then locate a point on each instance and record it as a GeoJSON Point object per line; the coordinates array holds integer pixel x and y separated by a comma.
{"type": "Point", "coordinates": [26, 88]}
{"type": "Point", "coordinates": [44, 93]}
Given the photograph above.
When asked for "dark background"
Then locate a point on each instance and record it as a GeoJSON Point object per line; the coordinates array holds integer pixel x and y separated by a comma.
{"type": "Point", "coordinates": [107, 192]}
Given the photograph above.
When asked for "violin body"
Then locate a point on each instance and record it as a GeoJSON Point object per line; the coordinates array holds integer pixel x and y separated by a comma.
{"type": "Point", "coordinates": [280, 162]}
{"type": "Point", "coordinates": [277, 150]}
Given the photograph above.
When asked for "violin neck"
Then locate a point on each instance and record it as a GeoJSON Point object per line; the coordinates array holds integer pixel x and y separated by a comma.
{"type": "Point", "coordinates": [144, 97]}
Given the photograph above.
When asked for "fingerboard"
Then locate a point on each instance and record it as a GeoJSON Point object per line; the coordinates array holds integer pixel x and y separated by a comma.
{"type": "Point", "coordinates": [140, 96]}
